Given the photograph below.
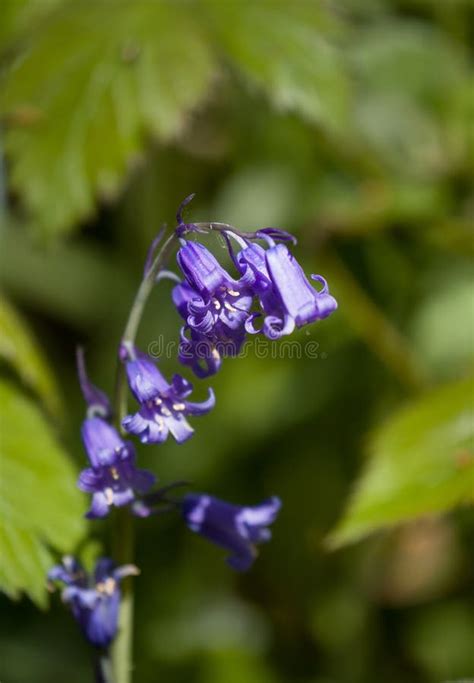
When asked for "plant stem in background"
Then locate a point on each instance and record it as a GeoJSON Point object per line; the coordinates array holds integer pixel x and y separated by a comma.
{"type": "Point", "coordinates": [123, 532]}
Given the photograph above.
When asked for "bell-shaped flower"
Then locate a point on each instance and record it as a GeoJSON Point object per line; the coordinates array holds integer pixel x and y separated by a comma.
{"type": "Point", "coordinates": [287, 298]}
{"type": "Point", "coordinates": [236, 528]}
{"type": "Point", "coordinates": [214, 306]}
{"type": "Point", "coordinates": [113, 478]}
{"type": "Point", "coordinates": [163, 406]}
{"type": "Point", "coordinates": [94, 600]}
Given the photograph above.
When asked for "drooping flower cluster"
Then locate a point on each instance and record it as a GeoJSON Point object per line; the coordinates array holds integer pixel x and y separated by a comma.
{"type": "Point", "coordinates": [218, 309]}
{"type": "Point", "coordinates": [94, 600]}
{"type": "Point", "coordinates": [268, 295]}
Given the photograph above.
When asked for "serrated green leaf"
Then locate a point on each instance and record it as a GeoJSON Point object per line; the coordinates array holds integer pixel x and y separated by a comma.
{"type": "Point", "coordinates": [285, 50]}
{"type": "Point", "coordinates": [95, 83]}
{"type": "Point", "coordinates": [40, 506]}
{"type": "Point", "coordinates": [422, 462]}
{"type": "Point", "coordinates": [19, 348]}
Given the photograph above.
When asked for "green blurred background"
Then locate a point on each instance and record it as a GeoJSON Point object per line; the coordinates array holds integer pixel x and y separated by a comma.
{"type": "Point", "coordinates": [347, 123]}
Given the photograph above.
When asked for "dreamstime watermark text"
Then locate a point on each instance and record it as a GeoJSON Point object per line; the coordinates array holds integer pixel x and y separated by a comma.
{"type": "Point", "coordinates": [260, 347]}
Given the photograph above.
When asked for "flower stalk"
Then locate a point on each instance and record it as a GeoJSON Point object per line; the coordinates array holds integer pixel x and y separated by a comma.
{"type": "Point", "coordinates": [123, 540]}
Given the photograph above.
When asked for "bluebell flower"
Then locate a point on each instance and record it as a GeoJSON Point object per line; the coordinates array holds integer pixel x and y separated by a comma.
{"type": "Point", "coordinates": [236, 528]}
{"type": "Point", "coordinates": [163, 406]}
{"type": "Point", "coordinates": [214, 306]}
{"type": "Point", "coordinates": [287, 298]}
{"type": "Point", "coordinates": [113, 477]}
{"type": "Point", "coordinates": [94, 601]}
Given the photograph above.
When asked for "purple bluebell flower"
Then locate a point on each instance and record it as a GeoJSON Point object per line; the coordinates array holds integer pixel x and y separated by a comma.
{"type": "Point", "coordinates": [236, 528]}
{"type": "Point", "coordinates": [113, 477]}
{"type": "Point", "coordinates": [214, 306]}
{"type": "Point", "coordinates": [287, 298]}
{"type": "Point", "coordinates": [94, 601]}
{"type": "Point", "coordinates": [163, 406]}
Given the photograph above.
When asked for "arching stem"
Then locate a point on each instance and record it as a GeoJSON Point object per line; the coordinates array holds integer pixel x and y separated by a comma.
{"type": "Point", "coordinates": [123, 530]}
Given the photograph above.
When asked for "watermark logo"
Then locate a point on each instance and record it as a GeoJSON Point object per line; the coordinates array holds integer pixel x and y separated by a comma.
{"type": "Point", "coordinates": [260, 347]}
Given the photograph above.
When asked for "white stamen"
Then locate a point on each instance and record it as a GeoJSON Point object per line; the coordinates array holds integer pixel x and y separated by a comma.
{"type": "Point", "coordinates": [159, 422]}
{"type": "Point", "coordinates": [179, 406]}
{"type": "Point", "coordinates": [107, 586]}
{"type": "Point", "coordinates": [109, 495]}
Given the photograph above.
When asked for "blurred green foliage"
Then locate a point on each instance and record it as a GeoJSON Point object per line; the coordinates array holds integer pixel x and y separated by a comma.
{"type": "Point", "coordinates": [346, 122]}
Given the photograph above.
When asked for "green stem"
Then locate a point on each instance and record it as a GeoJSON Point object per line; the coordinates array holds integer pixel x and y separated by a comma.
{"type": "Point", "coordinates": [123, 553]}
{"type": "Point", "coordinates": [102, 668]}
{"type": "Point", "coordinates": [123, 531]}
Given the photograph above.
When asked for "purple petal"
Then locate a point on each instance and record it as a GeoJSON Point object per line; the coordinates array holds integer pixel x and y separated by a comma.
{"type": "Point", "coordinates": [327, 304]}
{"type": "Point", "coordinates": [203, 407]}
{"type": "Point", "coordinates": [299, 298]}
{"type": "Point", "coordinates": [249, 324]}
{"type": "Point", "coordinates": [68, 572]}
{"type": "Point", "coordinates": [124, 497]}
{"type": "Point", "coordinates": [144, 378]}
{"type": "Point", "coordinates": [179, 428]}
{"type": "Point", "coordinates": [156, 432]}
{"type": "Point", "coordinates": [99, 506]}
{"type": "Point", "coordinates": [256, 516]}
{"type": "Point", "coordinates": [242, 561]}
{"type": "Point", "coordinates": [135, 424]}
{"type": "Point", "coordinates": [181, 386]}
{"type": "Point", "coordinates": [274, 327]}
{"type": "Point", "coordinates": [88, 480]}
{"type": "Point", "coordinates": [101, 441]}
{"type": "Point", "coordinates": [202, 270]}
{"type": "Point", "coordinates": [101, 625]}
{"type": "Point", "coordinates": [104, 568]}
{"type": "Point", "coordinates": [142, 480]}
{"type": "Point", "coordinates": [182, 295]}
{"type": "Point", "coordinates": [141, 509]}
{"type": "Point", "coordinates": [251, 260]}
{"type": "Point", "coordinates": [86, 597]}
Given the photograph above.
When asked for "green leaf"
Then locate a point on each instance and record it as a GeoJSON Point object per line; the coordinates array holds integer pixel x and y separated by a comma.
{"type": "Point", "coordinates": [96, 82]}
{"type": "Point", "coordinates": [422, 462]}
{"type": "Point", "coordinates": [408, 75]}
{"type": "Point", "coordinates": [40, 506]}
{"type": "Point", "coordinates": [285, 50]}
{"type": "Point", "coordinates": [19, 348]}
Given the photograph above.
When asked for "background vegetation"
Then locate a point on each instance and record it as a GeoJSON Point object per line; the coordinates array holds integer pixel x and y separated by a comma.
{"type": "Point", "coordinates": [345, 122]}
